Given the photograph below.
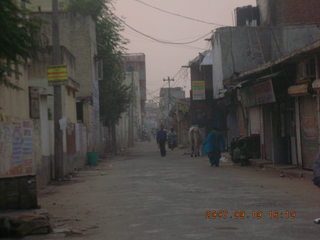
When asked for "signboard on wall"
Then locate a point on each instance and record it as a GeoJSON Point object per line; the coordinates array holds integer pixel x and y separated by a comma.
{"type": "Point", "coordinates": [264, 92]}
{"type": "Point", "coordinates": [198, 90]}
{"type": "Point", "coordinates": [16, 149]}
{"type": "Point", "coordinates": [57, 74]}
{"type": "Point", "coordinates": [182, 107]}
{"type": "Point", "coordinates": [260, 93]}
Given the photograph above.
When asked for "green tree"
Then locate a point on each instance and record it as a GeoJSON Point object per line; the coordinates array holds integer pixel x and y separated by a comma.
{"type": "Point", "coordinates": [114, 94]}
{"type": "Point", "coordinates": [17, 39]}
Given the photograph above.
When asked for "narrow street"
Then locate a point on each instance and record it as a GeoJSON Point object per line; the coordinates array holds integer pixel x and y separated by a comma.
{"type": "Point", "coordinates": [81, 79]}
{"type": "Point", "coordinates": [143, 196]}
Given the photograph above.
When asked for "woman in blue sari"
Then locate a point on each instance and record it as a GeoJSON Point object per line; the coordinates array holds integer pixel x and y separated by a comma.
{"type": "Point", "coordinates": [213, 146]}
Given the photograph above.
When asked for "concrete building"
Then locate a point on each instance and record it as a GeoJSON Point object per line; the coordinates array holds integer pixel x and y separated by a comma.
{"type": "Point", "coordinates": [135, 116]}
{"type": "Point", "coordinates": [77, 34]}
{"type": "Point", "coordinates": [259, 106]}
{"type": "Point", "coordinates": [14, 111]}
{"type": "Point", "coordinates": [284, 117]}
{"type": "Point", "coordinates": [289, 12]}
{"type": "Point", "coordinates": [129, 127]}
{"type": "Point", "coordinates": [20, 150]}
{"type": "Point", "coordinates": [152, 115]}
{"type": "Point", "coordinates": [238, 49]}
{"type": "Point", "coordinates": [42, 111]}
{"type": "Point", "coordinates": [123, 132]}
{"type": "Point", "coordinates": [247, 16]}
{"type": "Point", "coordinates": [168, 97]}
{"type": "Point", "coordinates": [26, 116]}
{"type": "Point", "coordinates": [45, 5]}
{"type": "Point", "coordinates": [201, 97]}
{"type": "Point", "coordinates": [137, 62]}
{"type": "Point", "coordinates": [180, 120]}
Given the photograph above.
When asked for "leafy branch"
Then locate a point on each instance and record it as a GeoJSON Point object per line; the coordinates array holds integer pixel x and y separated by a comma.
{"type": "Point", "coordinates": [17, 39]}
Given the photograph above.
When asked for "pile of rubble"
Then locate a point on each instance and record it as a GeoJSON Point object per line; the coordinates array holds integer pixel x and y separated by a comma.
{"type": "Point", "coordinates": [20, 225]}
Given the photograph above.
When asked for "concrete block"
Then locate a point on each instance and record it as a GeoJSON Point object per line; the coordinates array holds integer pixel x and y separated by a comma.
{"type": "Point", "coordinates": [18, 193]}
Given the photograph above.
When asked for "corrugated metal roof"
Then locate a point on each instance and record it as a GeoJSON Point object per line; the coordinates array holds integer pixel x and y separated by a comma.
{"type": "Point", "coordinates": [298, 53]}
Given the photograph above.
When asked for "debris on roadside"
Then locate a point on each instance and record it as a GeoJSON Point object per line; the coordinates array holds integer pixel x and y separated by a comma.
{"type": "Point", "coordinates": [24, 225]}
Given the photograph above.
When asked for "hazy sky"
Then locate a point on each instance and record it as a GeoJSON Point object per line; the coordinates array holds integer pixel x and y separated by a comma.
{"type": "Point", "coordinates": [166, 60]}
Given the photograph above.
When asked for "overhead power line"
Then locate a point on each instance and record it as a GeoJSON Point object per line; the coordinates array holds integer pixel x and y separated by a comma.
{"type": "Point", "coordinates": [179, 15]}
{"type": "Point", "coordinates": [153, 38]}
{"type": "Point", "coordinates": [185, 46]}
{"type": "Point", "coordinates": [164, 41]}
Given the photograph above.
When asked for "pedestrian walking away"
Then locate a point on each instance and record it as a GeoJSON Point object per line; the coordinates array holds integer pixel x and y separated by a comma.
{"type": "Point", "coordinates": [213, 146]}
{"type": "Point", "coordinates": [172, 139]}
{"type": "Point", "coordinates": [161, 140]}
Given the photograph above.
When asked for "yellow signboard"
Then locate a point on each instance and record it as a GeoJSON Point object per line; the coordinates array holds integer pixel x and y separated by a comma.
{"type": "Point", "coordinates": [198, 90]}
{"type": "Point", "coordinates": [57, 74]}
{"type": "Point", "coordinates": [183, 107]}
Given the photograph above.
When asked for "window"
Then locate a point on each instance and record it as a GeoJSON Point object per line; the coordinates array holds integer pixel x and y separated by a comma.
{"type": "Point", "coordinates": [306, 70]}
{"type": "Point", "coordinates": [79, 111]}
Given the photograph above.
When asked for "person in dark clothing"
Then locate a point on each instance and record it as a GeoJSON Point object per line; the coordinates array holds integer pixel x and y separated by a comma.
{"type": "Point", "coordinates": [172, 139]}
{"type": "Point", "coordinates": [161, 140]}
{"type": "Point", "coordinates": [316, 171]}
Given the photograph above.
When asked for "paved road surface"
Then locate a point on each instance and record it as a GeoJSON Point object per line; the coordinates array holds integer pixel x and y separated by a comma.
{"type": "Point", "coordinates": [143, 196]}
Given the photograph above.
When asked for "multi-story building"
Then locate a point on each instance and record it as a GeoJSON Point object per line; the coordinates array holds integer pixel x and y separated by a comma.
{"type": "Point", "coordinates": [152, 115]}
{"type": "Point", "coordinates": [77, 33]}
{"type": "Point", "coordinates": [201, 98]}
{"type": "Point", "coordinates": [129, 127]}
{"type": "Point", "coordinates": [42, 112]}
{"type": "Point", "coordinates": [259, 106]}
{"type": "Point", "coordinates": [168, 97]}
{"type": "Point", "coordinates": [137, 62]}
{"type": "Point", "coordinates": [20, 148]}
{"type": "Point", "coordinates": [288, 12]}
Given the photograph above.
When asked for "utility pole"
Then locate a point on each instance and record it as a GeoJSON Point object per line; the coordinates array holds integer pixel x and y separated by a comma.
{"type": "Point", "coordinates": [132, 108]}
{"type": "Point", "coordinates": [56, 60]}
{"type": "Point", "coordinates": [169, 80]}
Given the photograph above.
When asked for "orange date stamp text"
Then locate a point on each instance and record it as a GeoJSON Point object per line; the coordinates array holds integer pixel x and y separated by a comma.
{"type": "Point", "coordinates": [251, 214]}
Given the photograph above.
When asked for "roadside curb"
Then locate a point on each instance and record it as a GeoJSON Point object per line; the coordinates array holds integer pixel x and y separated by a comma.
{"type": "Point", "coordinates": [284, 170]}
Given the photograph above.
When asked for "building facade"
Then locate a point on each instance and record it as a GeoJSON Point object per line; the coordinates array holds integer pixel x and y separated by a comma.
{"type": "Point", "coordinates": [289, 12]}
{"type": "Point", "coordinates": [78, 34]}
{"type": "Point", "coordinates": [258, 106]}
{"type": "Point", "coordinates": [168, 97]}
{"type": "Point", "coordinates": [137, 62]}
